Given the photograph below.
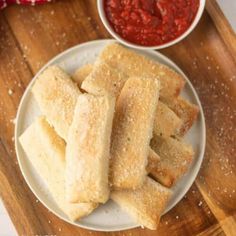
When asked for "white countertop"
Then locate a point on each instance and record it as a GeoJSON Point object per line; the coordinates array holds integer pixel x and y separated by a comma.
{"type": "Point", "coordinates": [6, 226]}
{"type": "Point", "coordinates": [229, 9]}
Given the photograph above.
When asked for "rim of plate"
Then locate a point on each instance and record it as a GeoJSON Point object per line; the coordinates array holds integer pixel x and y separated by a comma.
{"type": "Point", "coordinates": [159, 55]}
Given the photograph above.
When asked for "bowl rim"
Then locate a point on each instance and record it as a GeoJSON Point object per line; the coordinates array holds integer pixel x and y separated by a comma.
{"type": "Point", "coordinates": [107, 25]}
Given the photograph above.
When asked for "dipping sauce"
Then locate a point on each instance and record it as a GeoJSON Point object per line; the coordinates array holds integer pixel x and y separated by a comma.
{"type": "Point", "coordinates": [150, 22]}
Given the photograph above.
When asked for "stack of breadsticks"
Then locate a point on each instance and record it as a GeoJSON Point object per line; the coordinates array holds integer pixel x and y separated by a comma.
{"type": "Point", "coordinates": [112, 130]}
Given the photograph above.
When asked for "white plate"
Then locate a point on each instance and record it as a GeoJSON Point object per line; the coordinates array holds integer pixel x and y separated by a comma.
{"type": "Point", "coordinates": [108, 217]}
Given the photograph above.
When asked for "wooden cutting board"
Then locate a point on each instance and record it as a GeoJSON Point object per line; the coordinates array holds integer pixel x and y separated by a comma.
{"type": "Point", "coordinates": [30, 36]}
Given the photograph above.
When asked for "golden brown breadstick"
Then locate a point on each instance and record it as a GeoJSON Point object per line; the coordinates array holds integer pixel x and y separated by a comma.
{"type": "Point", "coordinates": [104, 79]}
{"type": "Point", "coordinates": [132, 131]}
{"type": "Point", "coordinates": [166, 122]}
{"type": "Point", "coordinates": [81, 73]}
{"type": "Point", "coordinates": [145, 204]}
{"type": "Point", "coordinates": [87, 150]}
{"type": "Point", "coordinates": [187, 112]}
{"type": "Point", "coordinates": [135, 64]}
{"type": "Point", "coordinates": [175, 159]}
{"type": "Point", "coordinates": [46, 151]}
{"type": "Point", "coordinates": [56, 95]}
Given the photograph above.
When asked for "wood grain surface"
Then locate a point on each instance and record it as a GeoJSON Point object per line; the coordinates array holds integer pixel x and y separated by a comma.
{"type": "Point", "coordinates": [30, 36]}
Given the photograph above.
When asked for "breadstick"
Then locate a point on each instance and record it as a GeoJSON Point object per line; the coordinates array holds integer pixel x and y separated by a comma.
{"type": "Point", "coordinates": [87, 151]}
{"type": "Point", "coordinates": [132, 131]}
{"type": "Point", "coordinates": [46, 151]}
{"type": "Point", "coordinates": [56, 95]}
{"type": "Point", "coordinates": [104, 79]}
{"type": "Point", "coordinates": [135, 64]}
{"type": "Point", "coordinates": [145, 204]}
{"type": "Point", "coordinates": [186, 111]}
{"type": "Point", "coordinates": [81, 73]}
{"type": "Point", "coordinates": [175, 159]}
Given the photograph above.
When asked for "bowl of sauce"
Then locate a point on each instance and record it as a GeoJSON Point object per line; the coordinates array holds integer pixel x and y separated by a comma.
{"type": "Point", "coordinates": [152, 24]}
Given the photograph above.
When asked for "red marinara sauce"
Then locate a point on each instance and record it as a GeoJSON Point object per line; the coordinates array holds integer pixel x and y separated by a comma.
{"type": "Point", "coordinates": [150, 22]}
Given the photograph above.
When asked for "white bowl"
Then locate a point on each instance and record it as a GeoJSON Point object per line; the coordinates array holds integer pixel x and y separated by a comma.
{"type": "Point", "coordinates": [133, 45]}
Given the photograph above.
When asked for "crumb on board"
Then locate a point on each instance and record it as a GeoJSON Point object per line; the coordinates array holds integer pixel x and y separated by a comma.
{"type": "Point", "coordinates": [13, 121]}
{"type": "Point", "coordinates": [10, 92]}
